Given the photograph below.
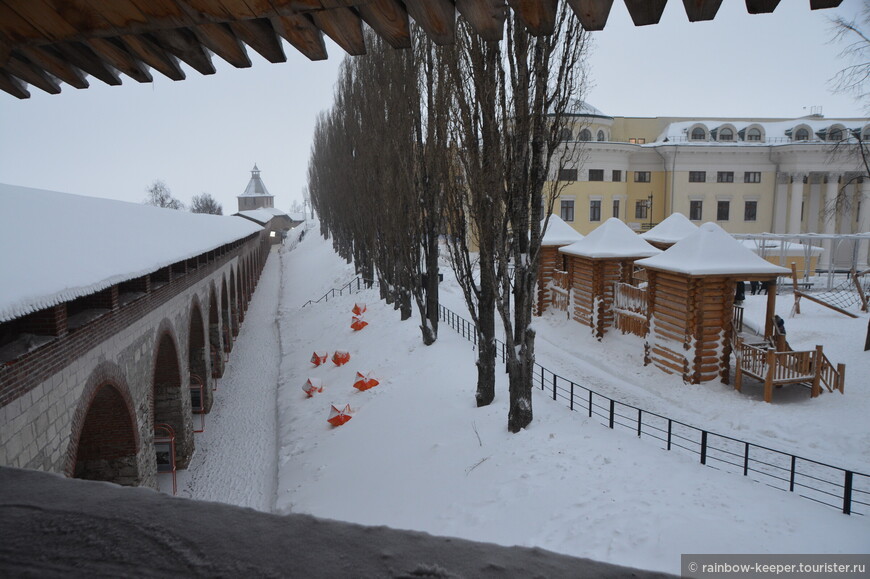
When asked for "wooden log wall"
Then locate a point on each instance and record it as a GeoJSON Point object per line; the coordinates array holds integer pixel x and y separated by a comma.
{"type": "Point", "coordinates": [592, 287]}
{"type": "Point", "coordinates": [551, 260]}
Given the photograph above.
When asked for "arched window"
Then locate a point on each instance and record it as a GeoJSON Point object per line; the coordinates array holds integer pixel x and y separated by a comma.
{"type": "Point", "coordinates": [565, 135]}
{"type": "Point", "coordinates": [585, 135]}
{"type": "Point", "coordinates": [802, 134]}
{"type": "Point", "coordinates": [753, 134]}
{"type": "Point", "coordinates": [835, 134]}
{"type": "Point", "coordinates": [601, 135]}
{"type": "Point", "coordinates": [699, 134]}
{"type": "Point", "coordinates": [726, 134]}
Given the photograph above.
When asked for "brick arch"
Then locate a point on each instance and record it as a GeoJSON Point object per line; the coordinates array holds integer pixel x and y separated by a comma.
{"type": "Point", "coordinates": [239, 291]}
{"type": "Point", "coordinates": [104, 441]}
{"type": "Point", "coordinates": [197, 351]}
{"type": "Point", "coordinates": [169, 394]}
{"type": "Point", "coordinates": [234, 309]}
{"type": "Point", "coordinates": [225, 316]}
{"type": "Point", "coordinates": [214, 334]}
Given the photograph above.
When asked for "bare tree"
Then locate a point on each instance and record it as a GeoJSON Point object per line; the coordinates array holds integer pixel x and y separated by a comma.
{"type": "Point", "coordinates": [159, 195]}
{"type": "Point", "coordinates": [205, 203]}
{"type": "Point", "coordinates": [855, 77]}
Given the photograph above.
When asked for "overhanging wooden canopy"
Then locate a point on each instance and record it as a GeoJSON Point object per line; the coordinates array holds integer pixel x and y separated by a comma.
{"type": "Point", "coordinates": [49, 42]}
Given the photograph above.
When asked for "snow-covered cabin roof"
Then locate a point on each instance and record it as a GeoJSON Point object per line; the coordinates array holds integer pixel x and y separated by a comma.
{"type": "Point", "coordinates": [559, 233]}
{"type": "Point", "coordinates": [611, 239]}
{"type": "Point", "coordinates": [711, 251]}
{"type": "Point", "coordinates": [275, 211]}
{"type": "Point", "coordinates": [81, 245]}
{"type": "Point", "coordinates": [262, 215]}
{"type": "Point", "coordinates": [297, 216]}
{"type": "Point", "coordinates": [256, 187]}
{"type": "Point", "coordinates": [775, 132]}
{"type": "Point", "coordinates": [674, 228]}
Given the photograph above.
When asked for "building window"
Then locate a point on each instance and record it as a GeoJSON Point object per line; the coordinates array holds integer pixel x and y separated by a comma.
{"type": "Point", "coordinates": [725, 177]}
{"type": "Point", "coordinates": [565, 134]}
{"type": "Point", "coordinates": [723, 208]}
{"type": "Point", "coordinates": [726, 134]}
{"type": "Point", "coordinates": [750, 210]}
{"type": "Point", "coordinates": [596, 174]}
{"type": "Point", "coordinates": [752, 177]}
{"type": "Point", "coordinates": [697, 176]}
{"type": "Point", "coordinates": [595, 210]}
{"type": "Point", "coordinates": [567, 174]}
{"type": "Point", "coordinates": [753, 135]}
{"type": "Point", "coordinates": [633, 141]}
{"type": "Point", "coordinates": [699, 134]}
{"type": "Point", "coordinates": [567, 213]}
{"type": "Point", "coordinates": [641, 141]}
{"type": "Point", "coordinates": [616, 208]}
{"type": "Point", "coordinates": [802, 135]}
{"type": "Point", "coordinates": [600, 135]}
{"type": "Point", "coordinates": [585, 135]}
{"type": "Point", "coordinates": [617, 176]}
{"type": "Point", "coordinates": [641, 176]}
{"type": "Point", "coordinates": [835, 135]}
{"type": "Point", "coordinates": [695, 210]}
{"type": "Point", "coordinates": [641, 209]}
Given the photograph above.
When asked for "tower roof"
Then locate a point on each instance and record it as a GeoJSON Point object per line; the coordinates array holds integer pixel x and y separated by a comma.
{"type": "Point", "coordinates": [256, 187]}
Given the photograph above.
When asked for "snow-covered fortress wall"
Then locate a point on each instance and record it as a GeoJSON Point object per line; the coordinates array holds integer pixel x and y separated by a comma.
{"type": "Point", "coordinates": [92, 376]}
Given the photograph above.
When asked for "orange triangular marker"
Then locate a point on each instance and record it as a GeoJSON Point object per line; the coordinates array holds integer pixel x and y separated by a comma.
{"type": "Point", "coordinates": [312, 386]}
{"type": "Point", "coordinates": [358, 324]}
{"type": "Point", "coordinates": [358, 309]}
{"type": "Point", "coordinates": [319, 358]}
{"type": "Point", "coordinates": [338, 417]}
{"type": "Point", "coordinates": [340, 357]}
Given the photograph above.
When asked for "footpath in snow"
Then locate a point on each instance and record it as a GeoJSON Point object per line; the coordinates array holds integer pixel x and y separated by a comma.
{"type": "Point", "coordinates": [417, 453]}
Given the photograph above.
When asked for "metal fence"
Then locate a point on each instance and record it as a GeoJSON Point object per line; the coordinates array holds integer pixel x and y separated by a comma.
{"type": "Point", "coordinates": [836, 487]}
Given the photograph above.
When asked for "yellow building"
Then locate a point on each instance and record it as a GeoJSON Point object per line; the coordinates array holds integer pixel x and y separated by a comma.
{"type": "Point", "coordinates": [748, 175]}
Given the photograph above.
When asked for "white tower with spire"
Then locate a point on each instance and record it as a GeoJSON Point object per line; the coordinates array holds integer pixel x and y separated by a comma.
{"type": "Point", "coordinates": [256, 195]}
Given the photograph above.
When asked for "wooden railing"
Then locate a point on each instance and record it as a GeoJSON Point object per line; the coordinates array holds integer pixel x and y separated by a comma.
{"type": "Point", "coordinates": [559, 288]}
{"type": "Point", "coordinates": [630, 306]}
{"type": "Point", "coordinates": [793, 367]}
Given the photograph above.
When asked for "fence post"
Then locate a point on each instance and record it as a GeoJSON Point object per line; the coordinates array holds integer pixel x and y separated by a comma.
{"type": "Point", "coordinates": [670, 424]}
{"type": "Point", "coordinates": [639, 416]}
{"type": "Point", "coordinates": [847, 494]}
{"type": "Point", "coordinates": [542, 378]}
{"type": "Point", "coordinates": [703, 447]}
{"type": "Point", "coordinates": [590, 403]}
{"type": "Point", "coordinates": [791, 477]}
{"type": "Point", "coordinates": [571, 405]}
{"type": "Point", "coordinates": [746, 459]}
{"type": "Point", "coordinates": [612, 407]}
{"type": "Point", "coordinates": [554, 385]}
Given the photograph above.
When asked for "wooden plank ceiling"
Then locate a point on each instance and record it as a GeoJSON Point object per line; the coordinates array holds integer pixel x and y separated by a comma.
{"type": "Point", "coordinates": [45, 43]}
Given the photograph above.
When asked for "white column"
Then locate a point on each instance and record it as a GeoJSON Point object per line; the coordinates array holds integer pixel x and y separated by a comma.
{"type": "Point", "coordinates": [796, 199]}
{"type": "Point", "coordinates": [780, 202]}
{"type": "Point", "coordinates": [829, 215]}
{"type": "Point", "coordinates": [864, 221]}
{"type": "Point", "coordinates": [814, 207]}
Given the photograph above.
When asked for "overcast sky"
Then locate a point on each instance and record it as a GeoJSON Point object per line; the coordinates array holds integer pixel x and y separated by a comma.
{"type": "Point", "coordinates": [205, 133]}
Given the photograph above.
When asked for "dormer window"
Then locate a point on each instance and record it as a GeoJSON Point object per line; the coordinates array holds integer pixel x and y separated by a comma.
{"type": "Point", "coordinates": [698, 134]}
{"type": "Point", "coordinates": [585, 135]}
{"type": "Point", "coordinates": [565, 135]}
{"type": "Point", "coordinates": [753, 134]}
{"type": "Point", "coordinates": [726, 134]}
{"type": "Point", "coordinates": [835, 133]}
{"type": "Point", "coordinates": [802, 134]}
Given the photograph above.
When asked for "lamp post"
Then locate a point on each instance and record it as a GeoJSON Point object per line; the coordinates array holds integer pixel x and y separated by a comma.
{"type": "Point", "coordinates": [649, 206]}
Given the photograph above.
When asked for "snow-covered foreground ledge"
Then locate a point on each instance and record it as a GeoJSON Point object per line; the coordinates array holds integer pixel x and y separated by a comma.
{"type": "Point", "coordinates": [57, 527]}
{"type": "Point", "coordinates": [418, 455]}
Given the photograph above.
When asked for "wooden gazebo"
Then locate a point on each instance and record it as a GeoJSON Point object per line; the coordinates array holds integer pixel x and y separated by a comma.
{"type": "Point", "coordinates": [673, 229]}
{"type": "Point", "coordinates": [597, 262]}
{"type": "Point", "coordinates": [690, 293]}
{"type": "Point", "coordinates": [552, 275]}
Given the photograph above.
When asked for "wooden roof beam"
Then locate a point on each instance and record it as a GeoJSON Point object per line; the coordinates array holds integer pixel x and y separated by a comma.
{"type": "Point", "coordinates": [300, 32]}
{"type": "Point", "coordinates": [218, 38]}
{"type": "Point", "coordinates": [344, 27]}
{"type": "Point", "coordinates": [22, 68]}
{"type": "Point", "coordinates": [259, 35]}
{"type": "Point", "coordinates": [645, 12]}
{"type": "Point", "coordinates": [436, 17]}
{"type": "Point", "coordinates": [538, 16]}
{"type": "Point", "coordinates": [592, 13]}
{"type": "Point", "coordinates": [701, 10]}
{"type": "Point", "coordinates": [761, 6]}
{"type": "Point", "coordinates": [49, 59]}
{"type": "Point", "coordinates": [110, 51]}
{"type": "Point", "coordinates": [184, 45]}
{"type": "Point", "coordinates": [13, 86]}
{"type": "Point", "coordinates": [149, 52]}
{"type": "Point", "coordinates": [389, 19]}
{"type": "Point", "coordinates": [485, 16]}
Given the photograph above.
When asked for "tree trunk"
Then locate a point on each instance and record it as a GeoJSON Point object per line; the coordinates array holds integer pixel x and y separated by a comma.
{"type": "Point", "coordinates": [486, 349]}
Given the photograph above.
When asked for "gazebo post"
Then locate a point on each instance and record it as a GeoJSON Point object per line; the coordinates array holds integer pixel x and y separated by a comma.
{"type": "Point", "coordinates": [771, 308]}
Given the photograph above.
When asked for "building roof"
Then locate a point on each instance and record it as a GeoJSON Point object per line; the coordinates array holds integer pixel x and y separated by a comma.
{"type": "Point", "coordinates": [611, 239]}
{"type": "Point", "coordinates": [82, 245]}
{"type": "Point", "coordinates": [261, 216]}
{"type": "Point", "coordinates": [674, 228]}
{"type": "Point", "coordinates": [49, 43]}
{"type": "Point", "coordinates": [559, 233]}
{"type": "Point", "coordinates": [711, 251]}
{"type": "Point", "coordinates": [773, 130]}
{"type": "Point", "coordinates": [256, 187]}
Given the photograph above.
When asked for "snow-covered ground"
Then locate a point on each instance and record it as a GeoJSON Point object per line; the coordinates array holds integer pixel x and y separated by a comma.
{"type": "Point", "coordinates": [417, 453]}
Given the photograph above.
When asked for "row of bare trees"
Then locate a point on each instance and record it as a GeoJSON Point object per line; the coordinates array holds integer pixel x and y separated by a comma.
{"type": "Point", "coordinates": [453, 142]}
{"type": "Point", "coordinates": [159, 195]}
